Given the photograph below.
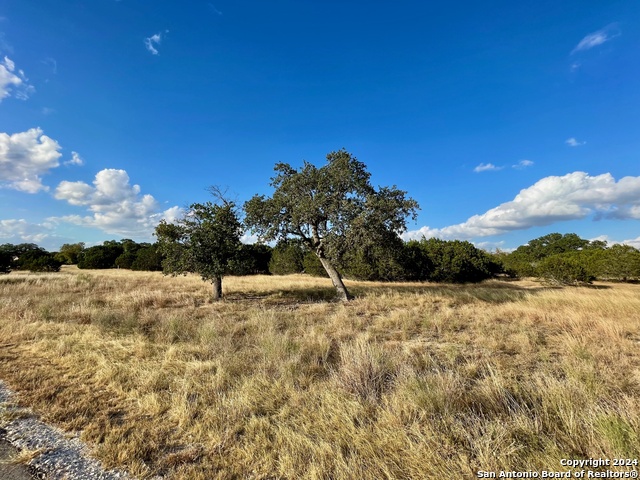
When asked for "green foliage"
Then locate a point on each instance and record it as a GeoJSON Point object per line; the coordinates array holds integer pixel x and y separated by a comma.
{"type": "Point", "coordinates": [618, 262]}
{"type": "Point", "coordinates": [563, 269]}
{"type": "Point", "coordinates": [553, 244]}
{"type": "Point", "coordinates": [330, 209]}
{"type": "Point", "coordinates": [101, 256]}
{"type": "Point", "coordinates": [287, 257]}
{"type": "Point", "coordinates": [27, 256]}
{"type": "Point", "coordinates": [69, 253]}
{"type": "Point", "coordinates": [39, 261]}
{"type": "Point", "coordinates": [525, 260]}
{"type": "Point", "coordinates": [6, 261]}
{"type": "Point", "coordinates": [252, 259]}
{"type": "Point", "coordinates": [125, 260]}
{"type": "Point", "coordinates": [455, 261]}
{"type": "Point", "coordinates": [205, 241]}
{"type": "Point", "coordinates": [148, 258]}
{"type": "Point", "coordinates": [311, 265]}
{"type": "Point", "coordinates": [377, 256]}
{"type": "Point", "coordinates": [417, 265]}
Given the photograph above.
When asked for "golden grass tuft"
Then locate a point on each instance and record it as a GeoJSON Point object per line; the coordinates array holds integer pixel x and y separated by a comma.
{"type": "Point", "coordinates": [278, 381]}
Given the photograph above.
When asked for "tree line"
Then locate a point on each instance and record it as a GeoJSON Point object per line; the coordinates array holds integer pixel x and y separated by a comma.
{"type": "Point", "coordinates": [329, 221]}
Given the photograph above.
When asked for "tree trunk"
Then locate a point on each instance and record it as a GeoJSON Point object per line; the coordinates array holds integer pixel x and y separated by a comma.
{"type": "Point", "coordinates": [217, 288]}
{"type": "Point", "coordinates": [336, 279]}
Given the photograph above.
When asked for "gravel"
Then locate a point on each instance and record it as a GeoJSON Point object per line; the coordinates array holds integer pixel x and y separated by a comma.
{"type": "Point", "coordinates": [57, 456]}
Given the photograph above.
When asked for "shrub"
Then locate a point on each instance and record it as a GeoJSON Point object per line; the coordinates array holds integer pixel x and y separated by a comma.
{"type": "Point", "coordinates": [563, 270]}
{"type": "Point", "coordinates": [456, 261]}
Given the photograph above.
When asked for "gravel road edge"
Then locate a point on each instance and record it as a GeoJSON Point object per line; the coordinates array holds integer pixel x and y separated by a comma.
{"type": "Point", "coordinates": [56, 455]}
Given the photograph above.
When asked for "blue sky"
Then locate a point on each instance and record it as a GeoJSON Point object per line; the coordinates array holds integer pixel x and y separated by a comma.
{"type": "Point", "coordinates": [504, 120]}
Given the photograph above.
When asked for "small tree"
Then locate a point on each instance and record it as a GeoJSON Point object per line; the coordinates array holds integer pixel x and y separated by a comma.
{"type": "Point", "coordinates": [205, 241]}
{"type": "Point", "coordinates": [332, 209]}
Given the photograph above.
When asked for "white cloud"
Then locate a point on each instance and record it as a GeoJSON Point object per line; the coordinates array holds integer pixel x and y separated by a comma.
{"type": "Point", "coordinates": [484, 167]}
{"type": "Point", "coordinates": [21, 231]}
{"type": "Point", "coordinates": [634, 242]}
{"type": "Point", "coordinates": [151, 43]}
{"type": "Point", "coordinates": [10, 82]}
{"type": "Point", "coordinates": [553, 199]}
{"type": "Point", "coordinates": [523, 164]}
{"type": "Point", "coordinates": [597, 38]}
{"type": "Point", "coordinates": [75, 160]}
{"type": "Point", "coordinates": [24, 157]}
{"type": "Point", "coordinates": [572, 142]}
{"type": "Point", "coordinates": [115, 206]}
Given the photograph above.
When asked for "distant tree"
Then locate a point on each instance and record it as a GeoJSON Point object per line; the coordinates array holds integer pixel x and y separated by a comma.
{"type": "Point", "coordinates": [456, 261]}
{"type": "Point", "coordinates": [417, 264]}
{"type": "Point", "coordinates": [287, 257]}
{"type": "Point", "coordinates": [205, 241]}
{"type": "Point", "coordinates": [330, 209]}
{"type": "Point", "coordinates": [377, 256]}
{"type": "Point", "coordinates": [553, 244]}
{"type": "Point", "coordinates": [252, 259]}
{"type": "Point", "coordinates": [69, 253]}
{"type": "Point", "coordinates": [311, 265]}
{"type": "Point", "coordinates": [23, 257]}
{"type": "Point", "coordinates": [38, 261]}
{"type": "Point", "coordinates": [6, 261]}
{"type": "Point", "coordinates": [524, 261]}
{"type": "Point", "coordinates": [148, 258]}
{"type": "Point", "coordinates": [101, 256]}
{"type": "Point", "coordinates": [619, 262]}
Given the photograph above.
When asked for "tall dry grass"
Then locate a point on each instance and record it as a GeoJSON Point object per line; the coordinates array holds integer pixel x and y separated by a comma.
{"type": "Point", "coordinates": [277, 381]}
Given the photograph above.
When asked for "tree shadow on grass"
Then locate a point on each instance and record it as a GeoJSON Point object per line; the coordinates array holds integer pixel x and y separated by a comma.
{"type": "Point", "coordinates": [494, 292]}
{"type": "Point", "coordinates": [289, 296]}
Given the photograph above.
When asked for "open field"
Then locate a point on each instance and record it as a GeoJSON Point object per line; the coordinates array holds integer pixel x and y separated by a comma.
{"type": "Point", "coordinates": [406, 381]}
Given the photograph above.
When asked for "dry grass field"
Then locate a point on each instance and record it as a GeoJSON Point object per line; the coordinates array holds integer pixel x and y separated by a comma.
{"type": "Point", "coordinates": [277, 381]}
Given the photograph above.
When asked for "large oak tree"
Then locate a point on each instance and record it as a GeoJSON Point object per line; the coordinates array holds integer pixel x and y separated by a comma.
{"type": "Point", "coordinates": [331, 209]}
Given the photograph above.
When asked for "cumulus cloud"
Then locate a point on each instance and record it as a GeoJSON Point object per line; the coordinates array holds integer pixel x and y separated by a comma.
{"type": "Point", "coordinates": [597, 38]}
{"type": "Point", "coordinates": [153, 42]}
{"type": "Point", "coordinates": [485, 167]}
{"type": "Point", "coordinates": [115, 206]}
{"type": "Point", "coordinates": [24, 157]}
{"type": "Point", "coordinates": [75, 160]}
{"type": "Point", "coordinates": [553, 199]}
{"type": "Point", "coordinates": [12, 82]}
{"type": "Point", "coordinates": [572, 142]}
{"type": "Point", "coordinates": [21, 231]}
